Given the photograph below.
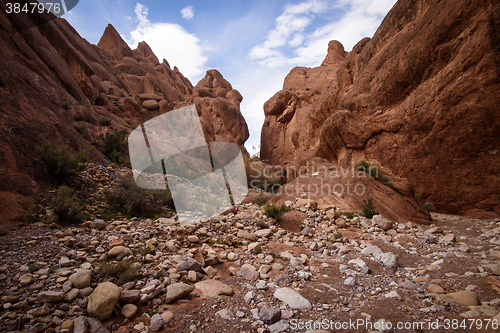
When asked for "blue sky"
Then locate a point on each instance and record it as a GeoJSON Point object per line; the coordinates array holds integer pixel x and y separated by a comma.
{"type": "Point", "coordinates": [254, 44]}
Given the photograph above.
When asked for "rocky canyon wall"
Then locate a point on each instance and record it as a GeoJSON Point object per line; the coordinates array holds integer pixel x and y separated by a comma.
{"type": "Point", "coordinates": [420, 98]}
{"type": "Point", "coordinates": [57, 86]}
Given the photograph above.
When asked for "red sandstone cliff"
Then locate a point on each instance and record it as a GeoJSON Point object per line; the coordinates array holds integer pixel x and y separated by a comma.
{"type": "Point", "coordinates": [420, 97]}
{"type": "Point", "coordinates": [52, 81]}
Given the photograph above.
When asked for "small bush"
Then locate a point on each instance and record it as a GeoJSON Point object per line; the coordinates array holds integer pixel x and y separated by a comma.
{"type": "Point", "coordinates": [67, 208]}
{"type": "Point", "coordinates": [104, 121]}
{"type": "Point", "coordinates": [418, 196]}
{"type": "Point", "coordinates": [275, 211]}
{"type": "Point", "coordinates": [257, 178]}
{"type": "Point", "coordinates": [362, 166]}
{"type": "Point", "coordinates": [349, 215]}
{"type": "Point", "coordinates": [83, 132]}
{"type": "Point", "coordinates": [66, 103]}
{"type": "Point", "coordinates": [261, 199]}
{"type": "Point", "coordinates": [373, 171]}
{"type": "Point", "coordinates": [79, 116]}
{"type": "Point", "coordinates": [368, 208]}
{"type": "Point", "coordinates": [131, 199]}
{"type": "Point", "coordinates": [113, 145]}
{"type": "Point", "coordinates": [61, 164]}
{"type": "Point", "coordinates": [123, 271]}
{"type": "Point", "coordinates": [429, 206]}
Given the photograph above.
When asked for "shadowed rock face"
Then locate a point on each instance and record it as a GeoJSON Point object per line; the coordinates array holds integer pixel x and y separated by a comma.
{"type": "Point", "coordinates": [420, 97]}
{"type": "Point", "coordinates": [51, 80]}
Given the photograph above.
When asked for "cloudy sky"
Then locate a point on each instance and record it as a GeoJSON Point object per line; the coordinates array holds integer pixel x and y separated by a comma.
{"type": "Point", "coordinates": [254, 44]}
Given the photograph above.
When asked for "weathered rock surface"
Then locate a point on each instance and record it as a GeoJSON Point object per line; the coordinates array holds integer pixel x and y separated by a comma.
{"type": "Point", "coordinates": [176, 291]}
{"type": "Point", "coordinates": [419, 98]}
{"type": "Point", "coordinates": [103, 300]}
{"type": "Point", "coordinates": [64, 85]}
{"type": "Point", "coordinates": [81, 278]}
{"type": "Point", "coordinates": [463, 297]}
{"type": "Point", "coordinates": [292, 298]}
{"type": "Point", "coordinates": [214, 288]}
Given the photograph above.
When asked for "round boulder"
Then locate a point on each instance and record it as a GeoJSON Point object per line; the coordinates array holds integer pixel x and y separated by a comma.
{"type": "Point", "coordinates": [103, 300]}
{"type": "Point", "coordinates": [150, 105]}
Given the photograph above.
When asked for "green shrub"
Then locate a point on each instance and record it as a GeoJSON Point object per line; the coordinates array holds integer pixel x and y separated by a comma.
{"type": "Point", "coordinates": [123, 271]}
{"type": "Point", "coordinates": [79, 116]}
{"type": "Point", "coordinates": [131, 199]}
{"type": "Point", "coordinates": [275, 211]}
{"type": "Point", "coordinates": [261, 200]}
{"type": "Point", "coordinates": [373, 171]}
{"type": "Point", "coordinates": [66, 103]}
{"type": "Point", "coordinates": [67, 207]}
{"type": "Point", "coordinates": [429, 206]}
{"type": "Point", "coordinates": [349, 215]}
{"type": "Point", "coordinates": [418, 195]}
{"type": "Point", "coordinates": [368, 208]}
{"type": "Point", "coordinates": [83, 132]}
{"type": "Point", "coordinates": [60, 163]}
{"type": "Point", "coordinates": [113, 145]}
{"type": "Point", "coordinates": [362, 166]}
{"type": "Point", "coordinates": [104, 121]}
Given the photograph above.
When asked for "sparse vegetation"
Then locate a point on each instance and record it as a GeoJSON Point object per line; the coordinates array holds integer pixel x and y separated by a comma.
{"type": "Point", "coordinates": [369, 208]}
{"type": "Point", "coordinates": [362, 166]}
{"type": "Point", "coordinates": [429, 206]}
{"type": "Point", "coordinates": [259, 177]}
{"type": "Point", "coordinates": [418, 195]}
{"type": "Point", "coordinates": [349, 215]}
{"type": "Point", "coordinates": [113, 145]}
{"type": "Point", "coordinates": [131, 199]}
{"type": "Point", "coordinates": [78, 116]}
{"type": "Point", "coordinates": [105, 120]}
{"type": "Point", "coordinates": [261, 200]}
{"type": "Point", "coordinates": [275, 211]}
{"type": "Point", "coordinates": [66, 103]}
{"type": "Point", "coordinates": [83, 132]}
{"type": "Point", "coordinates": [373, 171]}
{"type": "Point", "coordinates": [60, 163]}
{"type": "Point", "coordinates": [123, 271]}
{"type": "Point", "coordinates": [67, 207]}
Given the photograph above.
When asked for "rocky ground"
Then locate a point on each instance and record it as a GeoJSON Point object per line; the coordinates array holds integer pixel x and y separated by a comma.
{"type": "Point", "coordinates": [243, 272]}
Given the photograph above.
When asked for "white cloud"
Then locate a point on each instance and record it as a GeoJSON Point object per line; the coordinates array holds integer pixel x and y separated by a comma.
{"type": "Point", "coordinates": [360, 19]}
{"type": "Point", "coordinates": [172, 42]}
{"type": "Point", "coordinates": [289, 26]}
{"type": "Point", "coordinates": [187, 12]}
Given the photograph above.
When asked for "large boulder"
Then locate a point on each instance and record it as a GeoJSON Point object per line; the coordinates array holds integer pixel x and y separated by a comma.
{"type": "Point", "coordinates": [81, 278]}
{"type": "Point", "coordinates": [103, 300]}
